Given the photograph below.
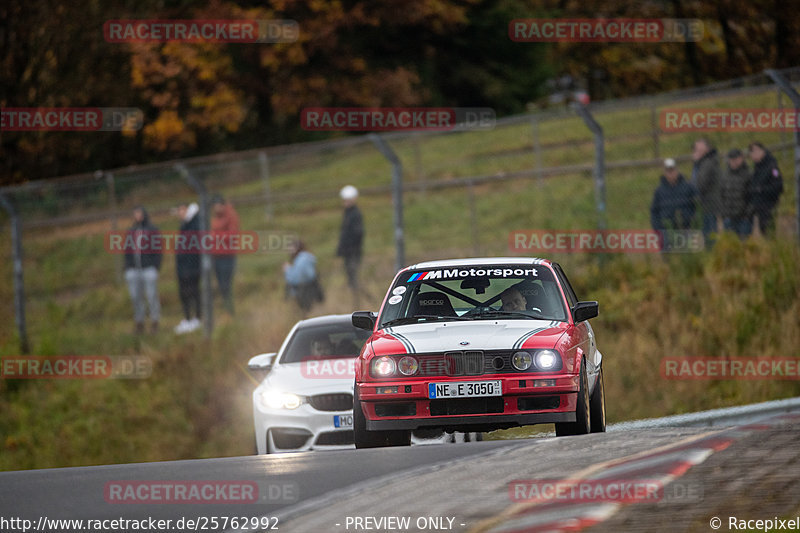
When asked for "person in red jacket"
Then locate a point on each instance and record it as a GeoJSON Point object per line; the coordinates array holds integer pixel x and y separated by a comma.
{"type": "Point", "coordinates": [224, 219]}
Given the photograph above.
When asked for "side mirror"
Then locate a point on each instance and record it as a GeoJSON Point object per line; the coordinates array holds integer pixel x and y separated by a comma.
{"type": "Point", "coordinates": [584, 311]}
{"type": "Point", "coordinates": [364, 320]}
{"type": "Point", "coordinates": [262, 361]}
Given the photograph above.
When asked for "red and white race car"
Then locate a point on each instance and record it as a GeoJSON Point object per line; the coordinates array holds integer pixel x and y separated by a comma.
{"type": "Point", "coordinates": [477, 345]}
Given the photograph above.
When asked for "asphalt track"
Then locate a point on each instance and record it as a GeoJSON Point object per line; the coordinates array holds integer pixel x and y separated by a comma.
{"type": "Point", "coordinates": [450, 487]}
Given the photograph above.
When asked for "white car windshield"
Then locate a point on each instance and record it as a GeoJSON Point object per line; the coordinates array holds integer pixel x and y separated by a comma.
{"type": "Point", "coordinates": [330, 341]}
{"type": "Point", "coordinates": [474, 293]}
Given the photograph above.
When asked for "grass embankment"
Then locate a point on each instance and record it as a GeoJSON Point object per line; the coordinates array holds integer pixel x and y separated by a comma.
{"type": "Point", "coordinates": [741, 299]}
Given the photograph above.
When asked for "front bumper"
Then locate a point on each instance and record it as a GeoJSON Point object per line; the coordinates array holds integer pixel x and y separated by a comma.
{"type": "Point", "coordinates": [301, 429]}
{"type": "Point", "coordinates": [526, 399]}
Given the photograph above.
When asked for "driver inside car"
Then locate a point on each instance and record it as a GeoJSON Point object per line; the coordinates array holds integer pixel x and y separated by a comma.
{"type": "Point", "coordinates": [321, 346]}
{"type": "Point", "coordinates": [513, 300]}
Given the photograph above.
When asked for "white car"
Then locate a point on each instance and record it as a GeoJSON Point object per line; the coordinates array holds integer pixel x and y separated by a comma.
{"type": "Point", "coordinates": [305, 402]}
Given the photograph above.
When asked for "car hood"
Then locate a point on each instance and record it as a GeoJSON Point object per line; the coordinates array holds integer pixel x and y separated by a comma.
{"type": "Point", "coordinates": [434, 337]}
{"type": "Point", "coordinates": [328, 376]}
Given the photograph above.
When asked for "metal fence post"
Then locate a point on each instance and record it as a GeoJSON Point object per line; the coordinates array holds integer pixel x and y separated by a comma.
{"type": "Point", "coordinates": [781, 81]}
{"type": "Point", "coordinates": [599, 170]}
{"type": "Point", "coordinates": [263, 168]}
{"type": "Point", "coordinates": [473, 218]}
{"type": "Point", "coordinates": [655, 129]}
{"type": "Point", "coordinates": [112, 205]}
{"type": "Point", "coordinates": [397, 196]}
{"type": "Point", "coordinates": [207, 300]}
{"type": "Point", "coordinates": [19, 288]}
{"type": "Point", "coordinates": [537, 149]}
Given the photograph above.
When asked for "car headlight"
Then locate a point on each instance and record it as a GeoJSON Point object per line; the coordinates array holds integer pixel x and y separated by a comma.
{"type": "Point", "coordinates": [281, 400]}
{"type": "Point", "coordinates": [546, 359]}
{"type": "Point", "coordinates": [407, 365]}
{"type": "Point", "coordinates": [521, 360]}
{"type": "Point", "coordinates": [382, 366]}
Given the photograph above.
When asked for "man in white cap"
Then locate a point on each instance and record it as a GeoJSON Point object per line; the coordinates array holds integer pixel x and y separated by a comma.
{"type": "Point", "coordinates": [673, 205]}
{"type": "Point", "coordinates": [351, 238]}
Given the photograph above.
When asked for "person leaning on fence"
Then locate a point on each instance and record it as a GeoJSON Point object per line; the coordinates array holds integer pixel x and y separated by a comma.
{"type": "Point", "coordinates": [766, 187]}
{"type": "Point", "coordinates": [674, 203]}
{"type": "Point", "coordinates": [706, 178]}
{"type": "Point", "coordinates": [141, 271]}
{"type": "Point", "coordinates": [187, 266]}
{"type": "Point", "coordinates": [351, 238]}
{"type": "Point", "coordinates": [302, 280]}
{"type": "Point", "coordinates": [736, 209]}
{"type": "Point", "coordinates": [224, 219]}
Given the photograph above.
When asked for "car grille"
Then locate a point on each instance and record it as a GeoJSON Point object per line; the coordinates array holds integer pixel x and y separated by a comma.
{"type": "Point", "coordinates": [289, 438]}
{"type": "Point", "coordinates": [467, 363]}
{"type": "Point", "coordinates": [332, 402]}
{"type": "Point", "coordinates": [335, 438]}
{"type": "Point", "coordinates": [464, 363]}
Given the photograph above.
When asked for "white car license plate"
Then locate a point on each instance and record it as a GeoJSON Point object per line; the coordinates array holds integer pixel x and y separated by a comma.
{"type": "Point", "coordinates": [465, 389]}
{"type": "Point", "coordinates": [343, 421]}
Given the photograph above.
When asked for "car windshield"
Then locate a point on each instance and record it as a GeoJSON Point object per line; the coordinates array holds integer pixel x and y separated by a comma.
{"type": "Point", "coordinates": [474, 293]}
{"type": "Point", "coordinates": [330, 341]}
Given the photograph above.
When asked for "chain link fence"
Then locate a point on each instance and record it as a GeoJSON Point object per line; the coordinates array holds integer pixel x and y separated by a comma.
{"type": "Point", "coordinates": [464, 193]}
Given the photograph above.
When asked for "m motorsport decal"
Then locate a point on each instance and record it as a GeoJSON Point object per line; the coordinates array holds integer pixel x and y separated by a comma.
{"type": "Point", "coordinates": [528, 335]}
{"type": "Point", "coordinates": [472, 272]}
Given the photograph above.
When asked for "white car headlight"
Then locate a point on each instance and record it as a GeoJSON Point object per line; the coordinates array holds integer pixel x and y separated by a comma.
{"type": "Point", "coordinates": [546, 359]}
{"type": "Point", "coordinates": [280, 400]}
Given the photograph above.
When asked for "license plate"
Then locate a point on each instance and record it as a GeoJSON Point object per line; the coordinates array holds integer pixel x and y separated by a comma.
{"type": "Point", "coordinates": [465, 389]}
{"type": "Point", "coordinates": [343, 421]}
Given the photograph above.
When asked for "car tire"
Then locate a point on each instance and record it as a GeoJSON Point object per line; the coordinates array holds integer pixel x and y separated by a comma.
{"type": "Point", "coordinates": [473, 437]}
{"type": "Point", "coordinates": [583, 423]}
{"type": "Point", "coordinates": [374, 439]}
{"type": "Point", "coordinates": [597, 405]}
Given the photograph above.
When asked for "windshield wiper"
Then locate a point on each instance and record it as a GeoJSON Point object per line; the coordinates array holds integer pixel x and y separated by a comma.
{"type": "Point", "coordinates": [499, 312]}
{"type": "Point", "coordinates": [415, 318]}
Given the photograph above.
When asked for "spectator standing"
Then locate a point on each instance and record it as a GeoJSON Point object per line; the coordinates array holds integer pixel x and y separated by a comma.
{"type": "Point", "coordinates": [141, 271]}
{"type": "Point", "coordinates": [736, 209]}
{"type": "Point", "coordinates": [766, 186]}
{"type": "Point", "coordinates": [302, 281]}
{"type": "Point", "coordinates": [187, 265]}
{"type": "Point", "coordinates": [706, 179]}
{"type": "Point", "coordinates": [224, 219]}
{"type": "Point", "coordinates": [673, 206]}
{"type": "Point", "coordinates": [351, 238]}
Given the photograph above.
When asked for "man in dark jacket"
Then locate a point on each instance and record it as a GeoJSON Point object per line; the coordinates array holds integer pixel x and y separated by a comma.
{"type": "Point", "coordinates": [706, 179]}
{"type": "Point", "coordinates": [142, 263]}
{"type": "Point", "coordinates": [673, 205]}
{"type": "Point", "coordinates": [736, 210]}
{"type": "Point", "coordinates": [351, 238]}
{"type": "Point", "coordinates": [187, 265]}
{"type": "Point", "coordinates": [766, 186]}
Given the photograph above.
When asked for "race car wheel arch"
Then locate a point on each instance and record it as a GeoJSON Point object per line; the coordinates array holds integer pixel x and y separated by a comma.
{"type": "Point", "coordinates": [597, 405]}
{"type": "Point", "coordinates": [582, 424]}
